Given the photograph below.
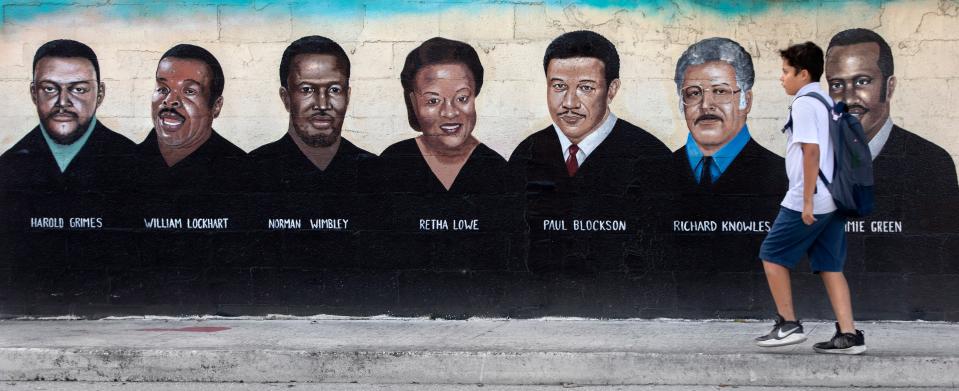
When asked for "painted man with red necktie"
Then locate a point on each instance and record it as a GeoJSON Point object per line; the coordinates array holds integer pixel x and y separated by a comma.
{"type": "Point", "coordinates": [574, 167]}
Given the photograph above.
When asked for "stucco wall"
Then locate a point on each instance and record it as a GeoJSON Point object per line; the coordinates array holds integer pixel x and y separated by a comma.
{"type": "Point", "coordinates": [248, 38]}
{"type": "Point", "coordinates": [902, 265]}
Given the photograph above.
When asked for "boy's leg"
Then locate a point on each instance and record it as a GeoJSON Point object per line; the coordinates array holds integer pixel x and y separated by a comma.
{"type": "Point", "coordinates": [781, 288]}
{"type": "Point", "coordinates": [838, 290]}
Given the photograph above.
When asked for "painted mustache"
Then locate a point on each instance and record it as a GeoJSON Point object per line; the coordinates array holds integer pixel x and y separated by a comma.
{"type": "Point", "coordinates": [857, 109]}
{"type": "Point", "coordinates": [61, 112]}
{"type": "Point", "coordinates": [321, 116]}
{"type": "Point", "coordinates": [570, 112]}
{"type": "Point", "coordinates": [170, 113]}
{"type": "Point", "coordinates": [707, 117]}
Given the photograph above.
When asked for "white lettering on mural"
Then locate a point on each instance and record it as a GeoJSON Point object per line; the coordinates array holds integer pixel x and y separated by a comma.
{"type": "Point", "coordinates": [554, 225]}
{"type": "Point", "coordinates": [878, 226]}
{"type": "Point", "coordinates": [433, 225]}
{"type": "Point", "coordinates": [46, 222]}
{"type": "Point", "coordinates": [449, 225]}
{"type": "Point", "coordinates": [208, 223]}
{"type": "Point", "coordinates": [855, 226]}
{"type": "Point", "coordinates": [191, 223]}
{"type": "Point", "coordinates": [284, 224]}
{"type": "Point", "coordinates": [329, 224]}
{"type": "Point", "coordinates": [86, 222]}
{"type": "Point", "coordinates": [599, 225]}
{"type": "Point", "coordinates": [163, 223]}
{"type": "Point", "coordinates": [746, 226]}
{"type": "Point", "coordinates": [721, 226]}
{"type": "Point", "coordinates": [885, 226]}
{"type": "Point", "coordinates": [694, 226]}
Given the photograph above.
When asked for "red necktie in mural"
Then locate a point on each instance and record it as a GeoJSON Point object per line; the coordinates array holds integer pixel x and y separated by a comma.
{"type": "Point", "coordinates": [571, 163]}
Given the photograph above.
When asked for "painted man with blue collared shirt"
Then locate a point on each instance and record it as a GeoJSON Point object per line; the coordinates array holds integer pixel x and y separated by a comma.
{"type": "Point", "coordinates": [721, 174]}
{"type": "Point", "coordinates": [714, 79]}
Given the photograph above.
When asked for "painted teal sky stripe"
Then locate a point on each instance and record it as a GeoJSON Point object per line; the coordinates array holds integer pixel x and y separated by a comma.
{"type": "Point", "coordinates": [21, 11]}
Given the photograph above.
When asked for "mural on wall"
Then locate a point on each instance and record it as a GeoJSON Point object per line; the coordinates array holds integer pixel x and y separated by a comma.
{"type": "Point", "coordinates": [589, 216]}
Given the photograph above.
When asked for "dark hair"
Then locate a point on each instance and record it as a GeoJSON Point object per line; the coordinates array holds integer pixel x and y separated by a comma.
{"type": "Point", "coordinates": [585, 44]}
{"type": "Point", "coordinates": [312, 44]}
{"type": "Point", "coordinates": [806, 56]}
{"type": "Point", "coordinates": [66, 48]}
{"type": "Point", "coordinates": [860, 35]}
{"type": "Point", "coordinates": [193, 52]}
{"type": "Point", "coordinates": [434, 51]}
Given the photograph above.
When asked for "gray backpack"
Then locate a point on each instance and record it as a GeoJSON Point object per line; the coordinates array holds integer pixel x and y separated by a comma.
{"type": "Point", "coordinates": [851, 184]}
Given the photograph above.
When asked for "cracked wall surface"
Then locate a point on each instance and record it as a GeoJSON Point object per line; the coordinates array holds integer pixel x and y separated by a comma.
{"type": "Point", "coordinates": [248, 38]}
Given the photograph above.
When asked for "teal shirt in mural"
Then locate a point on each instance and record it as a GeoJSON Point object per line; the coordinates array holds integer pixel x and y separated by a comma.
{"type": "Point", "coordinates": [64, 154]}
{"type": "Point", "coordinates": [723, 157]}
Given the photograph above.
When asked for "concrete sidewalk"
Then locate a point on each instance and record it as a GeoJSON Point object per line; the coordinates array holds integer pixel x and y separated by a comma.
{"type": "Point", "coordinates": [494, 352]}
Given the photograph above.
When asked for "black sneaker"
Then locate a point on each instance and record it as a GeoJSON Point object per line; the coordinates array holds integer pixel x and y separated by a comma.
{"type": "Point", "coordinates": [843, 343]}
{"type": "Point", "coordinates": [784, 333]}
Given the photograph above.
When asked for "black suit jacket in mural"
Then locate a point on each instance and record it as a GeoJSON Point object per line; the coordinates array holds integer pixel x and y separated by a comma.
{"type": "Point", "coordinates": [756, 171]}
{"type": "Point", "coordinates": [629, 158]}
{"type": "Point", "coordinates": [745, 198]}
{"type": "Point", "coordinates": [539, 165]}
{"type": "Point", "coordinates": [91, 186]}
{"type": "Point", "coordinates": [910, 165]}
{"type": "Point", "coordinates": [916, 188]}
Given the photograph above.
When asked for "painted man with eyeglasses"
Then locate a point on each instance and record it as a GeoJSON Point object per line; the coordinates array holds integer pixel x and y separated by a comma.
{"type": "Point", "coordinates": [722, 174]}
{"type": "Point", "coordinates": [714, 80]}
{"type": "Point", "coordinates": [70, 153]}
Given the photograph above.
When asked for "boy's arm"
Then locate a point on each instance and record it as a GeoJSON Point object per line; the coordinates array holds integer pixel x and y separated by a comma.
{"type": "Point", "coordinates": [810, 173]}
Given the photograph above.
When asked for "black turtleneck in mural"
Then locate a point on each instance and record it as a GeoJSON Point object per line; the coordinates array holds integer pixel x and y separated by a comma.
{"type": "Point", "coordinates": [465, 227]}
{"type": "Point", "coordinates": [582, 223]}
{"type": "Point", "coordinates": [61, 231]}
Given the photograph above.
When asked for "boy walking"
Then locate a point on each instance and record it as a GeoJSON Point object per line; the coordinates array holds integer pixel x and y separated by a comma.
{"type": "Point", "coordinates": [807, 223]}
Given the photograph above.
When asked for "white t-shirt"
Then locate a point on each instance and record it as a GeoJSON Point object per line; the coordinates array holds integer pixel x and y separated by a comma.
{"type": "Point", "coordinates": [811, 126]}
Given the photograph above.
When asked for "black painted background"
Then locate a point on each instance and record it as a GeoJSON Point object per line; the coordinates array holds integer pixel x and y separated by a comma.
{"type": "Point", "coordinates": [386, 266]}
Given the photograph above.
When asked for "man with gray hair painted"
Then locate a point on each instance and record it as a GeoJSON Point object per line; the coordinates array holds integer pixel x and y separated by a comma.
{"type": "Point", "coordinates": [714, 81]}
{"type": "Point", "coordinates": [721, 174]}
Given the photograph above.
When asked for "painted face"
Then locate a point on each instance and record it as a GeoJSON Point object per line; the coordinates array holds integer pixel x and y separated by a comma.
{"type": "Point", "coordinates": [791, 81]}
{"type": "Point", "coordinates": [577, 95]}
{"type": "Point", "coordinates": [855, 78]}
{"type": "Point", "coordinates": [67, 96]}
{"type": "Point", "coordinates": [181, 112]}
{"type": "Point", "coordinates": [317, 95]}
{"type": "Point", "coordinates": [712, 104]}
{"type": "Point", "coordinates": [444, 102]}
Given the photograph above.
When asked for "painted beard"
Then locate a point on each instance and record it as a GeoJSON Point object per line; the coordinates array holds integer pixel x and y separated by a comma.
{"type": "Point", "coordinates": [318, 140]}
{"type": "Point", "coordinates": [67, 139]}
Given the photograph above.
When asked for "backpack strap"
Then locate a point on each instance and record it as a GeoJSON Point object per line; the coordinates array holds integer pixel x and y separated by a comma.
{"type": "Point", "coordinates": [789, 123]}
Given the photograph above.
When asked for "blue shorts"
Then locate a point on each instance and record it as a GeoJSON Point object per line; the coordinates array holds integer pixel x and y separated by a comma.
{"type": "Point", "coordinates": [789, 239]}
